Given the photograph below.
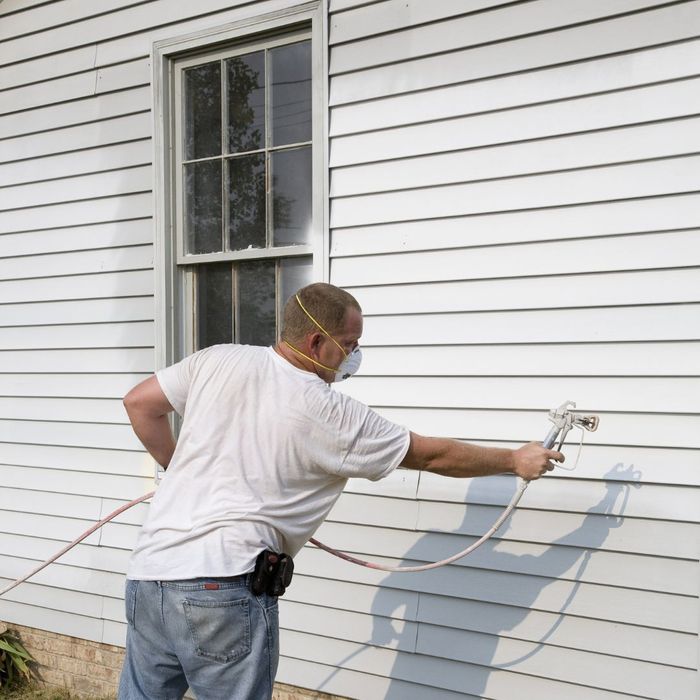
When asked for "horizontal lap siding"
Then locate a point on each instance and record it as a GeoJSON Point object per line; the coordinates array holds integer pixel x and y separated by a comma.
{"type": "Point", "coordinates": [514, 201]}
{"type": "Point", "coordinates": [76, 292]}
{"type": "Point", "coordinates": [515, 204]}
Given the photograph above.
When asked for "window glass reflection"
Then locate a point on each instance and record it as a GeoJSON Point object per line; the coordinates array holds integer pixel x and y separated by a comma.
{"type": "Point", "coordinates": [202, 116]}
{"type": "Point", "coordinates": [214, 305]}
{"type": "Point", "coordinates": [246, 200]}
{"type": "Point", "coordinates": [246, 102]}
{"type": "Point", "coordinates": [290, 108]}
{"type": "Point", "coordinates": [291, 196]}
{"type": "Point", "coordinates": [295, 273]}
{"type": "Point", "coordinates": [202, 195]}
{"type": "Point", "coordinates": [257, 322]}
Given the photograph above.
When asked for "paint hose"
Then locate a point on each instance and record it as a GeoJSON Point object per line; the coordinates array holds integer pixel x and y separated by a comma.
{"type": "Point", "coordinates": [70, 546]}
{"type": "Point", "coordinates": [563, 418]}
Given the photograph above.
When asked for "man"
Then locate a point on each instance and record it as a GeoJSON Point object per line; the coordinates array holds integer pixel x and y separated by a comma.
{"type": "Point", "coordinates": [264, 451]}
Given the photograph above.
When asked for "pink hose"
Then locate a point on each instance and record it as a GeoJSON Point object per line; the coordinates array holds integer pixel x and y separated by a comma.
{"type": "Point", "coordinates": [360, 562]}
{"type": "Point", "coordinates": [87, 533]}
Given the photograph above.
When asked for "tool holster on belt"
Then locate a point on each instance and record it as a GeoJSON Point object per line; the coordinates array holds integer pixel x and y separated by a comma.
{"type": "Point", "coordinates": [272, 573]}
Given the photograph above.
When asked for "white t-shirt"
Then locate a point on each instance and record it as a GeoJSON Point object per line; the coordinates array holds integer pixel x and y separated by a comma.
{"type": "Point", "coordinates": [263, 454]}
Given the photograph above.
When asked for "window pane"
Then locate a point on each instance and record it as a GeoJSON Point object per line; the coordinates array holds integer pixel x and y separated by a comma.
{"type": "Point", "coordinates": [291, 196]}
{"type": "Point", "coordinates": [257, 323]}
{"type": "Point", "coordinates": [203, 207]}
{"type": "Point", "coordinates": [214, 305]}
{"type": "Point", "coordinates": [246, 198]}
{"type": "Point", "coordinates": [203, 111]}
{"type": "Point", "coordinates": [246, 102]}
{"type": "Point", "coordinates": [290, 109]}
{"type": "Point", "coordinates": [295, 273]}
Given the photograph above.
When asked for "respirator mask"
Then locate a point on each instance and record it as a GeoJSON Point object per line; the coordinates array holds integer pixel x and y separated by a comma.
{"type": "Point", "coordinates": [349, 365]}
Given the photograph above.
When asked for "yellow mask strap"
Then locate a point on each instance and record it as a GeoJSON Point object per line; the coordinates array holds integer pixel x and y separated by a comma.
{"type": "Point", "coordinates": [323, 330]}
{"type": "Point", "coordinates": [310, 359]}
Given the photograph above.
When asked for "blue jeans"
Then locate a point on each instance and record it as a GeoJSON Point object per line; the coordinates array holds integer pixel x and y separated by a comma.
{"type": "Point", "coordinates": [211, 634]}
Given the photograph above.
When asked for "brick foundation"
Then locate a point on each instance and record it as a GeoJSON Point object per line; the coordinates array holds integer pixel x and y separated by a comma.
{"type": "Point", "coordinates": [91, 670]}
{"type": "Point", "coordinates": [86, 669]}
{"type": "Point", "coordinates": [290, 692]}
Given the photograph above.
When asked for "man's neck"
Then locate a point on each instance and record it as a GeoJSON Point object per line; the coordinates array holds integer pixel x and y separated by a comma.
{"type": "Point", "coordinates": [288, 354]}
{"type": "Point", "coordinates": [296, 360]}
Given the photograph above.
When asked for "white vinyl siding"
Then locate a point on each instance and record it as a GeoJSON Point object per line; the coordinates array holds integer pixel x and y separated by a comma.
{"type": "Point", "coordinates": [514, 204]}
{"type": "Point", "coordinates": [514, 200]}
{"type": "Point", "coordinates": [77, 308]}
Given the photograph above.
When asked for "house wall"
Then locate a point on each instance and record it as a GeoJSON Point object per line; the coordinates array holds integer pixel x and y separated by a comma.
{"type": "Point", "coordinates": [513, 192]}
{"type": "Point", "coordinates": [514, 203]}
{"type": "Point", "coordinates": [77, 292]}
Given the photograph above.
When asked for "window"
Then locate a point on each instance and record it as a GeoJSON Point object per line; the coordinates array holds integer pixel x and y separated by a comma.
{"type": "Point", "coordinates": [245, 214]}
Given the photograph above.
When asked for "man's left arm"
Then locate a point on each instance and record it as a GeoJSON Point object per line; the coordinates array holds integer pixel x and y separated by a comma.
{"type": "Point", "coordinates": [148, 409]}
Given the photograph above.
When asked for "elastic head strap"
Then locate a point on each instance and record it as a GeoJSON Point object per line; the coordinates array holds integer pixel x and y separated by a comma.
{"type": "Point", "coordinates": [323, 330]}
{"type": "Point", "coordinates": [310, 359]}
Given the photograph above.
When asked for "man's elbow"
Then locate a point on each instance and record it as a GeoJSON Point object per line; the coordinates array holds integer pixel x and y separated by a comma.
{"type": "Point", "coordinates": [146, 400]}
{"type": "Point", "coordinates": [130, 402]}
{"type": "Point", "coordinates": [138, 401]}
{"type": "Point", "coordinates": [420, 453]}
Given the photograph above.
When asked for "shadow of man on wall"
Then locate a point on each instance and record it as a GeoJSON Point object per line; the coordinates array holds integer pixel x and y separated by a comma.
{"type": "Point", "coordinates": [495, 610]}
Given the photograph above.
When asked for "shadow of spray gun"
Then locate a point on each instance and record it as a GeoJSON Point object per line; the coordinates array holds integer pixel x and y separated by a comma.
{"type": "Point", "coordinates": [620, 481]}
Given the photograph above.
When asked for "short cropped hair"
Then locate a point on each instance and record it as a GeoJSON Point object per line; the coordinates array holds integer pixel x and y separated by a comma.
{"type": "Point", "coordinates": [326, 303]}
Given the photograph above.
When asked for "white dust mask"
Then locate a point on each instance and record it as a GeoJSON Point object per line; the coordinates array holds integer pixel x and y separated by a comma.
{"type": "Point", "coordinates": [349, 365]}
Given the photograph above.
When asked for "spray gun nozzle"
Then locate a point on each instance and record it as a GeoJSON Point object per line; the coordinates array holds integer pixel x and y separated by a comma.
{"type": "Point", "coordinates": [590, 423]}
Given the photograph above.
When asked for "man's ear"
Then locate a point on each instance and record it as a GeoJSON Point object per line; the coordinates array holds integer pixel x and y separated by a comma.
{"type": "Point", "coordinates": [315, 340]}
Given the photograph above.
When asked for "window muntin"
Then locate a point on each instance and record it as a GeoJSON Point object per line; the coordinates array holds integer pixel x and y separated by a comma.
{"type": "Point", "coordinates": [243, 182]}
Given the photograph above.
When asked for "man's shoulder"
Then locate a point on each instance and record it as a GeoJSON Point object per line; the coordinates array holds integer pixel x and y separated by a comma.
{"type": "Point", "coordinates": [225, 351]}
{"type": "Point", "coordinates": [333, 406]}
{"type": "Point", "coordinates": [225, 357]}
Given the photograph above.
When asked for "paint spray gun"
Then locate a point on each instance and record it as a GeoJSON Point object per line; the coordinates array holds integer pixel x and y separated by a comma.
{"type": "Point", "coordinates": [564, 419]}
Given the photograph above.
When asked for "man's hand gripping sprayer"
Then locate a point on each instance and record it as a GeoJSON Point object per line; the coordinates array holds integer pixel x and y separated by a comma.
{"type": "Point", "coordinates": [563, 418]}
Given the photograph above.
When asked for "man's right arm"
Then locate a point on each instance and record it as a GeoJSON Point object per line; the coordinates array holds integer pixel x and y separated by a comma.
{"type": "Point", "coordinates": [460, 459]}
{"type": "Point", "coordinates": [148, 409]}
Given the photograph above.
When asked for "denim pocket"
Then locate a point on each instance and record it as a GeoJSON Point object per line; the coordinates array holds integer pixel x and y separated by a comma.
{"type": "Point", "coordinates": [130, 600]}
{"type": "Point", "coordinates": [220, 629]}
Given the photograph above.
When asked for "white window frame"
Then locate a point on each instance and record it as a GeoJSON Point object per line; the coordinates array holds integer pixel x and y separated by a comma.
{"type": "Point", "coordinates": [173, 317]}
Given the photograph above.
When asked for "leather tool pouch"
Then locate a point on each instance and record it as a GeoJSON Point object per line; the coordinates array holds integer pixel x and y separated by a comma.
{"type": "Point", "coordinates": [272, 573]}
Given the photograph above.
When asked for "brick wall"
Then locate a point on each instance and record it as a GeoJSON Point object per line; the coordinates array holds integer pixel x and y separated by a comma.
{"type": "Point", "coordinates": [91, 670]}
{"type": "Point", "coordinates": [289, 692]}
{"type": "Point", "coordinates": [86, 669]}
